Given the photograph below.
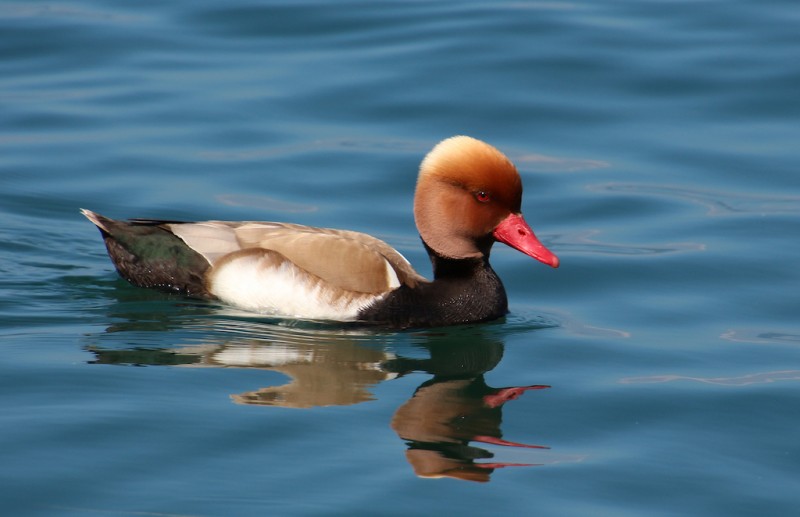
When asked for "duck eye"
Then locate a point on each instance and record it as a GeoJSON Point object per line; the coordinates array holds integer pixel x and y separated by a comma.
{"type": "Point", "coordinates": [482, 196]}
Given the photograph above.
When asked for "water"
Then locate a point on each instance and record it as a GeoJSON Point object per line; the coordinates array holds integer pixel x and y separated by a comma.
{"type": "Point", "coordinates": [658, 143]}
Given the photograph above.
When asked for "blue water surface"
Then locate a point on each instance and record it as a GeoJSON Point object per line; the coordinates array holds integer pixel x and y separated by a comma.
{"type": "Point", "coordinates": [654, 373]}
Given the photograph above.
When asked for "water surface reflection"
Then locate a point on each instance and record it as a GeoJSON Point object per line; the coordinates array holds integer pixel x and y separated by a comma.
{"type": "Point", "coordinates": [450, 424]}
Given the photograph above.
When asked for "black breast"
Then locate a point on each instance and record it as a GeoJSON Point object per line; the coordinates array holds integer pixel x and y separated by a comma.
{"type": "Point", "coordinates": [463, 291]}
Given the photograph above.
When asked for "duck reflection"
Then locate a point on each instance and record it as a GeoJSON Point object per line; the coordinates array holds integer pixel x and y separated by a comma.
{"type": "Point", "coordinates": [329, 376]}
{"type": "Point", "coordinates": [338, 373]}
{"type": "Point", "coordinates": [444, 417]}
{"type": "Point", "coordinates": [455, 409]}
{"type": "Point", "coordinates": [450, 424]}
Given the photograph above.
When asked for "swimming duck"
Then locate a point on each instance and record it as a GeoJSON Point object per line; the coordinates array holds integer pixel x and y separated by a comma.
{"type": "Point", "coordinates": [468, 196]}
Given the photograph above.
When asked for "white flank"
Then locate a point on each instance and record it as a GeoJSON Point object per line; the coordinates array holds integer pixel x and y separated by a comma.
{"type": "Point", "coordinates": [253, 282]}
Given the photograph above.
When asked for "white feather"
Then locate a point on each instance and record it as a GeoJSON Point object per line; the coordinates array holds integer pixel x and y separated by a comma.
{"type": "Point", "coordinates": [391, 275]}
{"type": "Point", "coordinates": [254, 282]}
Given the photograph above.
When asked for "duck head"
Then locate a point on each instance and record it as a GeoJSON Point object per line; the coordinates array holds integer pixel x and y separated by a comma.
{"type": "Point", "coordinates": [468, 196]}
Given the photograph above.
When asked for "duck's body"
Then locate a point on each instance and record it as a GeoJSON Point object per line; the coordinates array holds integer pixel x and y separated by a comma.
{"type": "Point", "coordinates": [468, 196]}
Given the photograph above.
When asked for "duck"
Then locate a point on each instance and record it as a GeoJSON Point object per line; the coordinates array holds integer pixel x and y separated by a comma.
{"type": "Point", "coordinates": [468, 196]}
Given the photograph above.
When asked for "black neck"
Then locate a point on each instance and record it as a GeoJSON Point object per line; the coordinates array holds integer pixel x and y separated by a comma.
{"type": "Point", "coordinates": [463, 291]}
{"type": "Point", "coordinates": [449, 268]}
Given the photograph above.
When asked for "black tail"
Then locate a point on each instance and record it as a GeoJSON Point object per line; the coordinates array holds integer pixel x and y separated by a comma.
{"type": "Point", "coordinates": [147, 254]}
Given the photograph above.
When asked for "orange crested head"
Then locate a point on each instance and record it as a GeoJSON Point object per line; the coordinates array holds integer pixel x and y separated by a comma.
{"type": "Point", "coordinates": [467, 193]}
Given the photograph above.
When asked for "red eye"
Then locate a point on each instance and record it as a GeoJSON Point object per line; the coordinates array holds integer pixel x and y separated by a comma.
{"type": "Point", "coordinates": [482, 196]}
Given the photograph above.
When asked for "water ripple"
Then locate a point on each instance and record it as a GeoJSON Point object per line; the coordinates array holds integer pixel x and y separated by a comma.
{"type": "Point", "coordinates": [582, 242]}
{"type": "Point", "coordinates": [260, 202]}
{"type": "Point", "coordinates": [11, 11]}
{"type": "Point", "coordinates": [718, 203]}
{"type": "Point", "coordinates": [762, 337]}
{"type": "Point", "coordinates": [742, 380]}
